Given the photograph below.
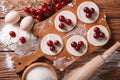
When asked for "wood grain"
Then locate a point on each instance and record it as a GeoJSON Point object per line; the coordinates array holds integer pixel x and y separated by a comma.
{"type": "Point", "coordinates": [112, 10]}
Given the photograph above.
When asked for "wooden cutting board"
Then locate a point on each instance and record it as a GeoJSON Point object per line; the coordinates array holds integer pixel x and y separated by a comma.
{"type": "Point", "coordinates": [24, 61]}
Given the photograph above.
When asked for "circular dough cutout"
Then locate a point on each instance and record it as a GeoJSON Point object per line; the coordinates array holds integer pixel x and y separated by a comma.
{"type": "Point", "coordinates": [81, 14]}
{"type": "Point", "coordinates": [46, 49]}
{"type": "Point", "coordinates": [67, 15]}
{"type": "Point", "coordinates": [71, 50]}
{"type": "Point", "coordinates": [100, 41]}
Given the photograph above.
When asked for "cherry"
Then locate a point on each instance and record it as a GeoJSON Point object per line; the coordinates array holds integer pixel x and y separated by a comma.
{"type": "Point", "coordinates": [39, 12]}
{"type": "Point", "coordinates": [50, 43]}
{"type": "Point", "coordinates": [102, 35]}
{"type": "Point", "coordinates": [96, 29]}
{"type": "Point", "coordinates": [61, 25]}
{"type": "Point", "coordinates": [96, 35]}
{"type": "Point", "coordinates": [52, 48]}
{"type": "Point", "coordinates": [88, 15]}
{"type": "Point", "coordinates": [38, 17]}
{"type": "Point", "coordinates": [68, 21]}
{"type": "Point", "coordinates": [58, 6]}
{"type": "Point", "coordinates": [80, 43]}
{"type": "Point", "coordinates": [92, 10]}
{"type": "Point", "coordinates": [77, 48]}
{"type": "Point", "coordinates": [12, 34]}
{"type": "Point", "coordinates": [62, 18]}
{"type": "Point", "coordinates": [45, 10]}
{"type": "Point", "coordinates": [56, 42]}
{"type": "Point", "coordinates": [33, 11]}
{"type": "Point", "coordinates": [55, 1]}
{"type": "Point", "coordinates": [22, 40]}
{"type": "Point", "coordinates": [74, 44]}
{"type": "Point", "coordinates": [86, 10]}
{"type": "Point", "coordinates": [63, 3]}
{"type": "Point", "coordinates": [44, 5]}
{"type": "Point", "coordinates": [26, 9]}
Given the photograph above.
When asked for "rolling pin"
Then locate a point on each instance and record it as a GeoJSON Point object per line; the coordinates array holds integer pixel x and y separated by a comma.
{"type": "Point", "coordinates": [92, 66]}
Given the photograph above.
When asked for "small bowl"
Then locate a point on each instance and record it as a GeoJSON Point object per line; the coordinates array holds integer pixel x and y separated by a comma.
{"type": "Point", "coordinates": [28, 69]}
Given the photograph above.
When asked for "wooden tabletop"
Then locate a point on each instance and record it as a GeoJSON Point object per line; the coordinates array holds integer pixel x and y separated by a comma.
{"type": "Point", "coordinates": [110, 71]}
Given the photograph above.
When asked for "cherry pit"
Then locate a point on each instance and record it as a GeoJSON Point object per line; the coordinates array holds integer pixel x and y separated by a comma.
{"type": "Point", "coordinates": [77, 46]}
{"type": "Point", "coordinates": [89, 11]}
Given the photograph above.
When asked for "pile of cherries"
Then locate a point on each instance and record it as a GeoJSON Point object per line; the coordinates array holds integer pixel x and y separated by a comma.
{"type": "Point", "coordinates": [21, 39]}
{"type": "Point", "coordinates": [77, 46]}
{"type": "Point", "coordinates": [47, 9]}
{"type": "Point", "coordinates": [63, 20]}
{"type": "Point", "coordinates": [89, 12]}
{"type": "Point", "coordinates": [52, 44]}
{"type": "Point", "coordinates": [98, 33]}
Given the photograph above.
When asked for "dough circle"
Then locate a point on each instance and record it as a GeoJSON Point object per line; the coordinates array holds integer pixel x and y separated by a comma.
{"type": "Point", "coordinates": [67, 15]}
{"type": "Point", "coordinates": [101, 41]}
{"type": "Point", "coordinates": [81, 14]}
{"type": "Point", "coordinates": [45, 48]}
{"type": "Point", "coordinates": [71, 50]}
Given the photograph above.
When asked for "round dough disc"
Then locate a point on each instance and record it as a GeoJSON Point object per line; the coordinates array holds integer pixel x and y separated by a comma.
{"type": "Point", "coordinates": [71, 50]}
{"type": "Point", "coordinates": [46, 49]}
{"type": "Point", "coordinates": [67, 15]}
{"type": "Point", "coordinates": [101, 41]}
{"type": "Point", "coordinates": [81, 14]}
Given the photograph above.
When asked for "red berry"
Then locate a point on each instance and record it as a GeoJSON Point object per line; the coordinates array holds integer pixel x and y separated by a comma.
{"type": "Point", "coordinates": [80, 43]}
{"type": "Point", "coordinates": [12, 34]}
{"type": "Point", "coordinates": [45, 10]}
{"type": "Point", "coordinates": [96, 35]}
{"type": "Point", "coordinates": [39, 12]}
{"type": "Point", "coordinates": [44, 5]}
{"type": "Point", "coordinates": [38, 17]}
{"type": "Point", "coordinates": [102, 35]}
{"type": "Point", "coordinates": [56, 42]}
{"type": "Point", "coordinates": [63, 3]}
{"type": "Point", "coordinates": [62, 18]}
{"type": "Point", "coordinates": [68, 1]}
{"type": "Point", "coordinates": [88, 15]}
{"type": "Point", "coordinates": [96, 29]}
{"type": "Point", "coordinates": [26, 9]}
{"type": "Point", "coordinates": [50, 43]}
{"type": "Point", "coordinates": [68, 21]}
{"type": "Point", "coordinates": [22, 40]}
{"type": "Point", "coordinates": [61, 25]}
{"type": "Point", "coordinates": [52, 48]}
{"type": "Point", "coordinates": [55, 1]}
{"type": "Point", "coordinates": [58, 6]}
{"type": "Point", "coordinates": [86, 10]}
{"type": "Point", "coordinates": [51, 9]}
{"type": "Point", "coordinates": [77, 48]}
{"type": "Point", "coordinates": [74, 44]}
{"type": "Point", "coordinates": [33, 11]}
{"type": "Point", "coordinates": [92, 10]}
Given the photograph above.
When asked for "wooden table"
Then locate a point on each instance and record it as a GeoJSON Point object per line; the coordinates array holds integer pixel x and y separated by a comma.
{"type": "Point", "coordinates": [111, 71]}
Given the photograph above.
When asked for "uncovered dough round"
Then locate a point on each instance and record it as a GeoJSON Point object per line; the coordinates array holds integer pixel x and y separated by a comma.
{"type": "Point", "coordinates": [67, 15]}
{"type": "Point", "coordinates": [71, 50]}
{"type": "Point", "coordinates": [45, 48]}
{"type": "Point", "coordinates": [81, 14]}
{"type": "Point", "coordinates": [98, 42]}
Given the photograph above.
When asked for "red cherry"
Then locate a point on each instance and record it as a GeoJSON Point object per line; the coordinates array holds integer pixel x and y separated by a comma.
{"type": "Point", "coordinates": [12, 34]}
{"type": "Point", "coordinates": [33, 11]}
{"type": "Point", "coordinates": [68, 21]}
{"type": "Point", "coordinates": [45, 10]}
{"type": "Point", "coordinates": [96, 35]}
{"type": "Point", "coordinates": [51, 9]}
{"type": "Point", "coordinates": [26, 9]}
{"type": "Point", "coordinates": [92, 10]}
{"type": "Point", "coordinates": [22, 40]}
{"type": "Point", "coordinates": [52, 48]}
{"type": "Point", "coordinates": [63, 3]}
{"type": "Point", "coordinates": [88, 15]}
{"type": "Point", "coordinates": [61, 25]}
{"type": "Point", "coordinates": [50, 43]}
{"type": "Point", "coordinates": [62, 18]}
{"type": "Point", "coordinates": [74, 44]}
{"type": "Point", "coordinates": [39, 12]}
{"type": "Point", "coordinates": [77, 48]}
{"type": "Point", "coordinates": [68, 1]}
{"type": "Point", "coordinates": [102, 35]}
{"type": "Point", "coordinates": [80, 43]}
{"type": "Point", "coordinates": [55, 1]}
{"type": "Point", "coordinates": [96, 29]}
{"type": "Point", "coordinates": [38, 17]}
{"type": "Point", "coordinates": [58, 6]}
{"type": "Point", "coordinates": [56, 42]}
{"type": "Point", "coordinates": [44, 5]}
{"type": "Point", "coordinates": [86, 10]}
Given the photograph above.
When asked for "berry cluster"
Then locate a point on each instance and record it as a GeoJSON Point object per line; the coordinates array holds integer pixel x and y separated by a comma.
{"type": "Point", "coordinates": [78, 45]}
{"type": "Point", "coordinates": [98, 33]}
{"type": "Point", "coordinates": [52, 44]}
{"type": "Point", "coordinates": [89, 12]}
{"type": "Point", "coordinates": [13, 34]}
{"type": "Point", "coordinates": [47, 9]}
{"type": "Point", "coordinates": [66, 21]}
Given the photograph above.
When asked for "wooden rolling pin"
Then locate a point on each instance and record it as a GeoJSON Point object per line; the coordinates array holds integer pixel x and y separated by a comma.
{"type": "Point", "coordinates": [92, 66]}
